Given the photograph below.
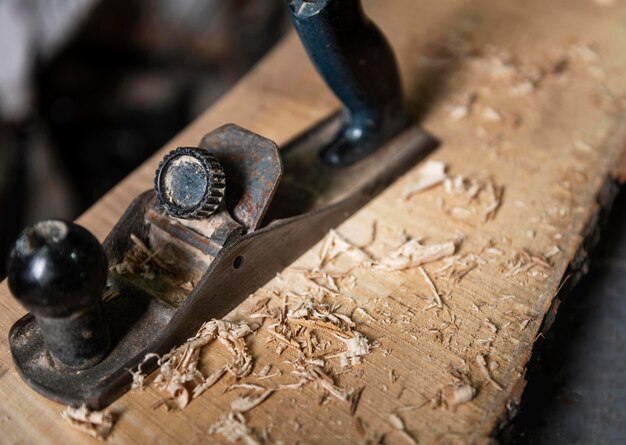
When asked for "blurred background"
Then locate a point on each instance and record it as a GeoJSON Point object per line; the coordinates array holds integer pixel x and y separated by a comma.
{"type": "Point", "coordinates": [90, 88]}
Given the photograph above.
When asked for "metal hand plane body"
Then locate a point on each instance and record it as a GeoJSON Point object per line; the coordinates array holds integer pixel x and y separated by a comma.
{"type": "Point", "coordinates": [222, 220]}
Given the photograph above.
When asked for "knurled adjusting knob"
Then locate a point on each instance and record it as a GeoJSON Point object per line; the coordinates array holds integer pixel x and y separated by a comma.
{"type": "Point", "coordinates": [190, 183]}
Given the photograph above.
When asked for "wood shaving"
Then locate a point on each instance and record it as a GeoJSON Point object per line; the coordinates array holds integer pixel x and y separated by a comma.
{"type": "Point", "coordinates": [178, 374]}
{"type": "Point", "coordinates": [463, 106]}
{"type": "Point", "coordinates": [297, 328]}
{"type": "Point", "coordinates": [250, 386]}
{"type": "Point", "coordinates": [491, 115]}
{"type": "Point", "coordinates": [482, 196]}
{"type": "Point", "coordinates": [429, 175]}
{"type": "Point", "coordinates": [97, 424]}
{"type": "Point", "coordinates": [554, 250]}
{"type": "Point", "coordinates": [526, 262]}
{"type": "Point", "coordinates": [458, 394]}
{"type": "Point", "coordinates": [437, 303]}
{"type": "Point", "coordinates": [312, 372]}
{"type": "Point", "coordinates": [398, 424]}
{"type": "Point", "coordinates": [234, 428]}
{"type": "Point", "coordinates": [264, 371]}
{"type": "Point", "coordinates": [494, 194]}
{"type": "Point", "coordinates": [333, 245]}
{"type": "Point", "coordinates": [457, 267]}
{"type": "Point", "coordinates": [413, 254]}
{"type": "Point", "coordinates": [245, 404]}
{"type": "Point", "coordinates": [462, 213]}
{"type": "Point", "coordinates": [460, 185]}
{"type": "Point", "coordinates": [356, 347]}
{"type": "Point", "coordinates": [139, 260]}
{"type": "Point", "coordinates": [359, 310]}
{"type": "Point", "coordinates": [355, 399]}
{"type": "Point", "coordinates": [482, 365]}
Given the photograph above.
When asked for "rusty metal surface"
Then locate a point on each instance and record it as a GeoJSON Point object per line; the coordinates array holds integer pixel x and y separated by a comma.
{"type": "Point", "coordinates": [253, 170]}
{"type": "Point", "coordinates": [140, 321]}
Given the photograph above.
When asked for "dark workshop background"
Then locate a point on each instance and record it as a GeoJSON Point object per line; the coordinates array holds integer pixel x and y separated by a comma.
{"type": "Point", "coordinates": [89, 89]}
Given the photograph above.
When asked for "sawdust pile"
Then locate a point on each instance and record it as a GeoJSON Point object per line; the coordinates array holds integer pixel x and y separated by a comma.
{"type": "Point", "coordinates": [179, 376]}
{"type": "Point", "coordinates": [311, 331]}
{"type": "Point", "coordinates": [473, 196]}
{"type": "Point", "coordinates": [97, 424]}
{"type": "Point", "coordinates": [469, 197]}
{"type": "Point", "coordinates": [139, 260]}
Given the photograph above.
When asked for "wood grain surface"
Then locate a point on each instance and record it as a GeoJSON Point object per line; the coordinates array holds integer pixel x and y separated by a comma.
{"type": "Point", "coordinates": [527, 96]}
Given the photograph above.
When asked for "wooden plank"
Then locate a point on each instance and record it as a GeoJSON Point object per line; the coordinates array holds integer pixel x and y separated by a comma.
{"type": "Point", "coordinates": [528, 94]}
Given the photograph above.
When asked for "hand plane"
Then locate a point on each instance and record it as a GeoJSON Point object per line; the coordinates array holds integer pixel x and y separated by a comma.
{"type": "Point", "coordinates": [222, 220]}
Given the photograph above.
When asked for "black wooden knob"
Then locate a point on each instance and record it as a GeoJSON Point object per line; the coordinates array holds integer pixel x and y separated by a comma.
{"type": "Point", "coordinates": [58, 270]}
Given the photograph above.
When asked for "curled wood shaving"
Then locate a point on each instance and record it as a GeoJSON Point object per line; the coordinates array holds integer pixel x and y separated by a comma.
{"type": "Point", "coordinates": [97, 424]}
{"type": "Point", "coordinates": [245, 404]}
{"type": "Point", "coordinates": [429, 175]}
{"type": "Point", "coordinates": [139, 376]}
{"type": "Point", "coordinates": [251, 386]}
{"type": "Point", "coordinates": [413, 254]}
{"type": "Point", "coordinates": [178, 373]}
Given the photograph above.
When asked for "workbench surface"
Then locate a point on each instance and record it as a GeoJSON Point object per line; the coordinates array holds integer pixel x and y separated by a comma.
{"type": "Point", "coordinates": [527, 99]}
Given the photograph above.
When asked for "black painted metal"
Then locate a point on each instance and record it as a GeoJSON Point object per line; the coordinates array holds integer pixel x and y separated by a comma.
{"type": "Point", "coordinates": [358, 64]}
